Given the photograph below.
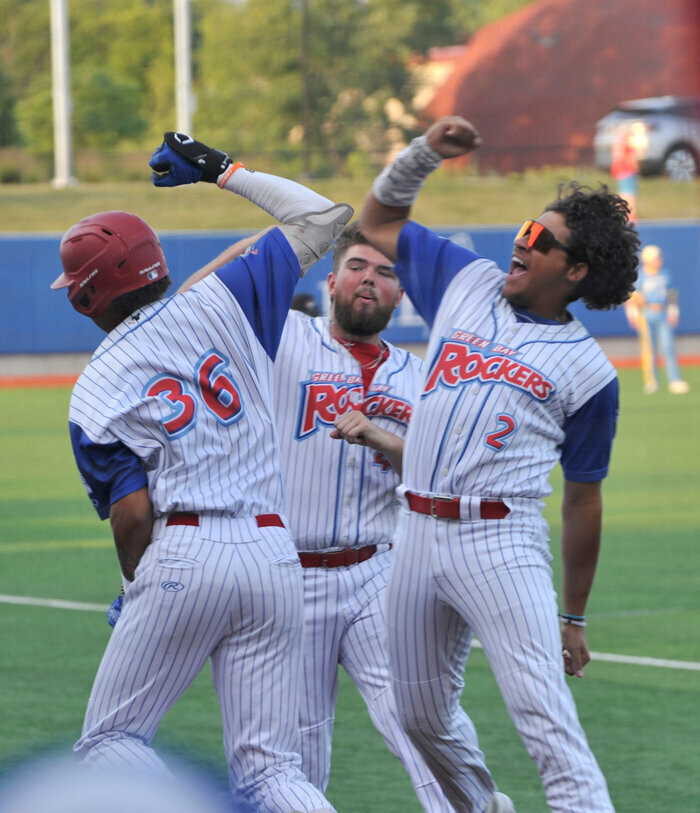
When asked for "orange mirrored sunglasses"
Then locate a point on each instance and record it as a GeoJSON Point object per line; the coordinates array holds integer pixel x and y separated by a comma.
{"type": "Point", "coordinates": [539, 237]}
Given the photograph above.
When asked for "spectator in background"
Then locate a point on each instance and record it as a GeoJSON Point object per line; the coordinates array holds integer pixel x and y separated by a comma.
{"type": "Point", "coordinates": [306, 303]}
{"type": "Point", "coordinates": [625, 169]}
{"type": "Point", "coordinates": [653, 312]}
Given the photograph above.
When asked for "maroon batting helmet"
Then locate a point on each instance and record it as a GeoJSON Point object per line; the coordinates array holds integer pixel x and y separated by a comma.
{"type": "Point", "coordinates": [107, 255]}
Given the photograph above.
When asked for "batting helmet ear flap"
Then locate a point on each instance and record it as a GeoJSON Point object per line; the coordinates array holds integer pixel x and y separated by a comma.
{"type": "Point", "coordinates": [107, 255]}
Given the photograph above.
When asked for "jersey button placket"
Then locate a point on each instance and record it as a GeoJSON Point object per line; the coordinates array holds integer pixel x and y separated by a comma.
{"type": "Point", "coordinates": [347, 512]}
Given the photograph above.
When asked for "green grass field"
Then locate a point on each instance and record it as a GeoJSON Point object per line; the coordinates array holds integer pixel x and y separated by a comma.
{"type": "Point", "coordinates": [642, 720]}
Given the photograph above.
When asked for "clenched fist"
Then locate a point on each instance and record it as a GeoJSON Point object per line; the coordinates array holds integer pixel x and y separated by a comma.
{"type": "Point", "coordinates": [452, 136]}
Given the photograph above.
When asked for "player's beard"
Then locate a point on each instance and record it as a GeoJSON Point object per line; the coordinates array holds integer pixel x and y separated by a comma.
{"type": "Point", "coordinates": [361, 321]}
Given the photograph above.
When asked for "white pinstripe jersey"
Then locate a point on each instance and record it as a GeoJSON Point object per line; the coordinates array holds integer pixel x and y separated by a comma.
{"type": "Point", "coordinates": [182, 389]}
{"type": "Point", "coordinates": [498, 392]}
{"type": "Point", "coordinates": [337, 494]}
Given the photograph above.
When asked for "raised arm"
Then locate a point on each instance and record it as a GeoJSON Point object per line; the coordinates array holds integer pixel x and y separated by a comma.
{"type": "Point", "coordinates": [182, 160]}
{"type": "Point", "coordinates": [388, 204]}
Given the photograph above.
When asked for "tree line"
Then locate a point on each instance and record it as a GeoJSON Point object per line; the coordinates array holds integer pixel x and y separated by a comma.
{"type": "Point", "coordinates": [325, 82]}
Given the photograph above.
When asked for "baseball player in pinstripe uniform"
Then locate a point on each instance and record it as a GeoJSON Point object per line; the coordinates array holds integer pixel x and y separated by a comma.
{"type": "Point", "coordinates": [337, 378]}
{"type": "Point", "coordinates": [330, 371]}
{"type": "Point", "coordinates": [513, 385]}
{"type": "Point", "coordinates": [174, 437]}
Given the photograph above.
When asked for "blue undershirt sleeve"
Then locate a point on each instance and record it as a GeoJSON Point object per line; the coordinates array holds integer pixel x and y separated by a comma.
{"type": "Point", "coordinates": [109, 471]}
{"type": "Point", "coordinates": [585, 453]}
{"type": "Point", "coordinates": [263, 281]}
{"type": "Point", "coordinates": [426, 264]}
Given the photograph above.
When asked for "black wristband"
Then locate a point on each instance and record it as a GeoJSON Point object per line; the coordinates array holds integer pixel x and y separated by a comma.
{"type": "Point", "coordinates": [214, 164]}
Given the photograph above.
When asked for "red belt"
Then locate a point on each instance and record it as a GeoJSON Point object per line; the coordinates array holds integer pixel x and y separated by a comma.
{"type": "Point", "coordinates": [186, 518]}
{"type": "Point", "coordinates": [449, 507]}
{"type": "Point", "coordinates": [337, 558]}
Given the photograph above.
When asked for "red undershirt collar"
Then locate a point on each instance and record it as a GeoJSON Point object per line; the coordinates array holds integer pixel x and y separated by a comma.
{"type": "Point", "coordinates": [369, 356]}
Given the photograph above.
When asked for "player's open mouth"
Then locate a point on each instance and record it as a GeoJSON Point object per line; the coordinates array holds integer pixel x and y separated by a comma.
{"type": "Point", "coordinates": [517, 267]}
{"type": "Point", "coordinates": [366, 296]}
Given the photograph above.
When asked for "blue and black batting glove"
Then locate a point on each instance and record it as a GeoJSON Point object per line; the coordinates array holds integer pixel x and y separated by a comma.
{"type": "Point", "coordinates": [115, 610]}
{"type": "Point", "coordinates": [180, 160]}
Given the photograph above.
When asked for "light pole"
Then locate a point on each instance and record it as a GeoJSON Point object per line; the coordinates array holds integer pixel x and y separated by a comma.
{"type": "Point", "coordinates": [183, 66]}
{"type": "Point", "coordinates": [305, 88]}
{"type": "Point", "coordinates": [60, 78]}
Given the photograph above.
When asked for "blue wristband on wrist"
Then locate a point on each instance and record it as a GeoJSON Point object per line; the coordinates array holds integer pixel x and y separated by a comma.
{"type": "Point", "coordinates": [574, 620]}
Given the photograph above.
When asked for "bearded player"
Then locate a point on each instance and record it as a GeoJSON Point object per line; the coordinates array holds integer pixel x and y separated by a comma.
{"type": "Point", "coordinates": [338, 378]}
{"type": "Point", "coordinates": [514, 384]}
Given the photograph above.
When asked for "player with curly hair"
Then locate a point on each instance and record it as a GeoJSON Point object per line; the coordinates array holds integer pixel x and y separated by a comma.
{"type": "Point", "coordinates": [514, 384]}
{"type": "Point", "coordinates": [603, 238]}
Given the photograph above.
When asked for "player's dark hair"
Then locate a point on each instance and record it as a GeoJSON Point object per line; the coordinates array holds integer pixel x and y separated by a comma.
{"type": "Point", "coordinates": [349, 236]}
{"type": "Point", "coordinates": [305, 303]}
{"type": "Point", "coordinates": [133, 300]}
{"type": "Point", "coordinates": [602, 237]}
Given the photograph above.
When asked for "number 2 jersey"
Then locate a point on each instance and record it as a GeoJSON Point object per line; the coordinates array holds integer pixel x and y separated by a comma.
{"type": "Point", "coordinates": [506, 394]}
{"type": "Point", "coordinates": [178, 397]}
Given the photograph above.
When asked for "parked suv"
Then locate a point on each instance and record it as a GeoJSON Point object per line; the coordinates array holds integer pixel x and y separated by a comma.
{"type": "Point", "coordinates": [665, 131]}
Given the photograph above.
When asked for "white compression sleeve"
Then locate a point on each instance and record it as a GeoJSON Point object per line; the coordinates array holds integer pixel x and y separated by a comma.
{"type": "Point", "coordinates": [285, 200]}
{"type": "Point", "coordinates": [399, 183]}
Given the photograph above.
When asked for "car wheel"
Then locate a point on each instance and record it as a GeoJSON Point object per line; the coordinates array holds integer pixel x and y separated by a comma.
{"type": "Point", "coordinates": [680, 164]}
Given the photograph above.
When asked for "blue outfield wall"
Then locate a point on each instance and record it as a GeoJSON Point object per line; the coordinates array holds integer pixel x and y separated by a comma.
{"type": "Point", "coordinates": [35, 319]}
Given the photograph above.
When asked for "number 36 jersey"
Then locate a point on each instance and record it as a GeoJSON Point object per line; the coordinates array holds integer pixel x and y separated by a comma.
{"type": "Point", "coordinates": [506, 394]}
{"type": "Point", "coordinates": [178, 396]}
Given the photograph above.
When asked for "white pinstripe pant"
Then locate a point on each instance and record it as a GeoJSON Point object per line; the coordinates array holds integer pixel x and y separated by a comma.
{"type": "Point", "coordinates": [344, 624]}
{"type": "Point", "coordinates": [449, 581]}
{"type": "Point", "coordinates": [238, 603]}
